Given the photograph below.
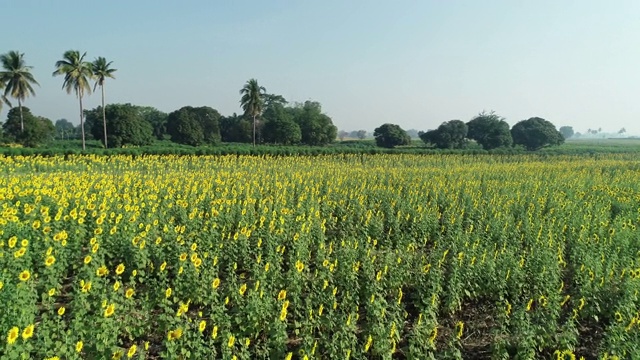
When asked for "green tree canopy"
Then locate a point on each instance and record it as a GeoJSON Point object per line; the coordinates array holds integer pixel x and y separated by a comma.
{"type": "Point", "coordinates": [536, 133]}
{"type": "Point", "coordinates": [449, 135]}
{"type": "Point", "coordinates": [194, 125]}
{"type": "Point", "coordinates": [316, 128]}
{"type": "Point", "coordinates": [236, 128]}
{"type": "Point", "coordinates": [391, 135]}
{"type": "Point", "coordinates": [566, 131]}
{"type": "Point", "coordinates": [125, 125]}
{"type": "Point", "coordinates": [157, 119]}
{"type": "Point", "coordinates": [64, 128]}
{"type": "Point", "coordinates": [489, 130]}
{"type": "Point", "coordinates": [279, 127]}
{"type": "Point", "coordinates": [37, 130]}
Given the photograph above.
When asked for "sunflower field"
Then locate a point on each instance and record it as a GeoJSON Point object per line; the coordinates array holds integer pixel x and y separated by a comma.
{"type": "Point", "coordinates": [325, 257]}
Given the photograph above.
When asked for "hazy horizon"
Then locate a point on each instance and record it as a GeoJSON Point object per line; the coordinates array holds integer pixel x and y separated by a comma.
{"type": "Point", "coordinates": [415, 64]}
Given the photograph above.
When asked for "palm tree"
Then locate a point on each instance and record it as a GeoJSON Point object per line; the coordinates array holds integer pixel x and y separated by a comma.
{"type": "Point", "coordinates": [77, 74]}
{"type": "Point", "coordinates": [252, 101]}
{"type": "Point", "coordinates": [17, 79]}
{"type": "Point", "coordinates": [101, 71]}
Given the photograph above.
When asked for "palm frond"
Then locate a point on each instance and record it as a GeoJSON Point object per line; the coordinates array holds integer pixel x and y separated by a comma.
{"type": "Point", "coordinates": [76, 71]}
{"type": "Point", "coordinates": [102, 70]}
{"type": "Point", "coordinates": [17, 77]}
{"type": "Point", "coordinates": [252, 99]}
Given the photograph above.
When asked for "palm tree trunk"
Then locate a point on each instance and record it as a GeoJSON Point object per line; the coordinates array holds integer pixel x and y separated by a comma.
{"type": "Point", "coordinates": [104, 118]}
{"type": "Point", "coordinates": [254, 130]}
{"type": "Point", "coordinates": [21, 118]}
{"type": "Point", "coordinates": [81, 120]}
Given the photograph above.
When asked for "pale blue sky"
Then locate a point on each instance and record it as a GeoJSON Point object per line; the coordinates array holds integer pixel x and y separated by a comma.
{"type": "Point", "coordinates": [414, 63]}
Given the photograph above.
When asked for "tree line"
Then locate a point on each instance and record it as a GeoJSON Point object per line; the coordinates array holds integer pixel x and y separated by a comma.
{"type": "Point", "coordinates": [267, 118]}
{"type": "Point", "coordinates": [489, 130]}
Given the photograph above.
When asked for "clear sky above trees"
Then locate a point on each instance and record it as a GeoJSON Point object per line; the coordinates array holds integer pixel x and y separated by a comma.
{"type": "Point", "coordinates": [414, 63]}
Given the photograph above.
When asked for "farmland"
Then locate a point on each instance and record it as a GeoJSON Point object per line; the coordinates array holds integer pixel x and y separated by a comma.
{"type": "Point", "coordinates": [325, 257]}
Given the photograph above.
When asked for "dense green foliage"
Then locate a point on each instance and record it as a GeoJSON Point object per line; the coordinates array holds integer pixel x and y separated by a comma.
{"type": "Point", "coordinates": [124, 122]}
{"type": "Point", "coordinates": [156, 118]}
{"type": "Point", "coordinates": [194, 125]}
{"type": "Point", "coordinates": [236, 129]}
{"type": "Point", "coordinates": [490, 131]}
{"type": "Point", "coordinates": [315, 126]}
{"type": "Point", "coordinates": [390, 136]}
{"type": "Point", "coordinates": [535, 133]}
{"type": "Point", "coordinates": [279, 126]}
{"type": "Point", "coordinates": [449, 135]}
{"type": "Point", "coordinates": [37, 130]}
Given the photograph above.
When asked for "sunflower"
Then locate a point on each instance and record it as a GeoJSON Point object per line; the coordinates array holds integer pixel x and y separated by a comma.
{"type": "Point", "coordinates": [242, 289]}
{"type": "Point", "coordinates": [232, 340]}
{"type": "Point", "coordinates": [460, 327]}
{"type": "Point", "coordinates": [129, 293]}
{"type": "Point", "coordinates": [28, 332]}
{"type": "Point", "coordinates": [13, 335]}
{"type": "Point", "coordinates": [202, 326]}
{"type": "Point", "coordinates": [109, 310]}
{"type": "Point", "coordinates": [174, 334]}
{"type": "Point", "coordinates": [102, 271]}
{"type": "Point", "coordinates": [85, 286]}
{"type": "Point", "coordinates": [282, 295]}
{"type": "Point", "coordinates": [368, 344]}
{"type": "Point", "coordinates": [132, 351]}
{"type": "Point", "coordinates": [49, 260]}
{"type": "Point", "coordinates": [87, 259]}
{"type": "Point", "coordinates": [167, 293]}
{"type": "Point", "coordinates": [20, 252]}
{"type": "Point", "coordinates": [216, 283]}
{"type": "Point", "coordinates": [25, 275]}
{"type": "Point", "coordinates": [120, 269]}
{"type": "Point", "coordinates": [79, 346]}
{"type": "Point", "coordinates": [61, 310]}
